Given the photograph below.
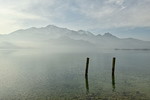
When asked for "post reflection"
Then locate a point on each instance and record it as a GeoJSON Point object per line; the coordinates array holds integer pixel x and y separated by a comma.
{"type": "Point", "coordinates": [113, 82]}
{"type": "Point", "coordinates": [87, 84]}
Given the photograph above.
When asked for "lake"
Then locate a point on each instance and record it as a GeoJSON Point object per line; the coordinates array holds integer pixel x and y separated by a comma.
{"type": "Point", "coordinates": [45, 75]}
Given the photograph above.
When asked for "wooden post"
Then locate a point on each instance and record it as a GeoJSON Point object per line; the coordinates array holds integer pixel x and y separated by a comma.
{"type": "Point", "coordinates": [86, 75]}
{"type": "Point", "coordinates": [113, 73]}
{"type": "Point", "coordinates": [87, 66]}
{"type": "Point", "coordinates": [113, 66]}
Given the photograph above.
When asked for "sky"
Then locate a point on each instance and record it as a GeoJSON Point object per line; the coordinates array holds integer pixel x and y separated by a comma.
{"type": "Point", "coordinates": [123, 18]}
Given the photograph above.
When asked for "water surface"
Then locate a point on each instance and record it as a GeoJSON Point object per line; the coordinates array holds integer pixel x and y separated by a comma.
{"type": "Point", "coordinates": [46, 75]}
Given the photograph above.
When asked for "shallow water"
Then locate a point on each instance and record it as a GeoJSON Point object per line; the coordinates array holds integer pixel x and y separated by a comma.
{"type": "Point", "coordinates": [46, 75]}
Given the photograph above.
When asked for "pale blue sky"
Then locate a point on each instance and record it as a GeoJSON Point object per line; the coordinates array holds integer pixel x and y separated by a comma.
{"type": "Point", "coordinates": [123, 18]}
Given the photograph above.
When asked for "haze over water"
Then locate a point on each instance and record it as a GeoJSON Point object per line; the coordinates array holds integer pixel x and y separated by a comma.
{"type": "Point", "coordinates": [45, 75]}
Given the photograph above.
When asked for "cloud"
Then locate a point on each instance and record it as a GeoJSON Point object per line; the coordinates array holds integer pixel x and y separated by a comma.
{"type": "Point", "coordinates": [118, 13]}
{"type": "Point", "coordinates": [75, 14]}
{"type": "Point", "coordinates": [11, 15]}
{"type": "Point", "coordinates": [117, 2]}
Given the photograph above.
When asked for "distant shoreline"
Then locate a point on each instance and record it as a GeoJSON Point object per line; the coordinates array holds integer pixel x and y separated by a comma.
{"type": "Point", "coordinates": [144, 49]}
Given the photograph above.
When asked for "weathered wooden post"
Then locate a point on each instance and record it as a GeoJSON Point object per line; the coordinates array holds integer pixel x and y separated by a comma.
{"type": "Point", "coordinates": [86, 75]}
{"type": "Point", "coordinates": [87, 67]}
{"type": "Point", "coordinates": [113, 73]}
{"type": "Point", "coordinates": [113, 66]}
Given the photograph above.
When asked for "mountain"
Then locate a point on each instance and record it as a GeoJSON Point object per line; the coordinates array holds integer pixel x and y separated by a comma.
{"type": "Point", "coordinates": [55, 37]}
{"type": "Point", "coordinates": [7, 45]}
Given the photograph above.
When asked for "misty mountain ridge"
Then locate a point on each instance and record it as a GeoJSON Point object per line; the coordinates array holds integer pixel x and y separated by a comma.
{"type": "Point", "coordinates": [53, 36]}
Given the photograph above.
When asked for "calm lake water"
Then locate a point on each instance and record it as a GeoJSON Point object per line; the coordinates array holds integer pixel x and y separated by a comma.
{"type": "Point", "coordinates": [46, 75]}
